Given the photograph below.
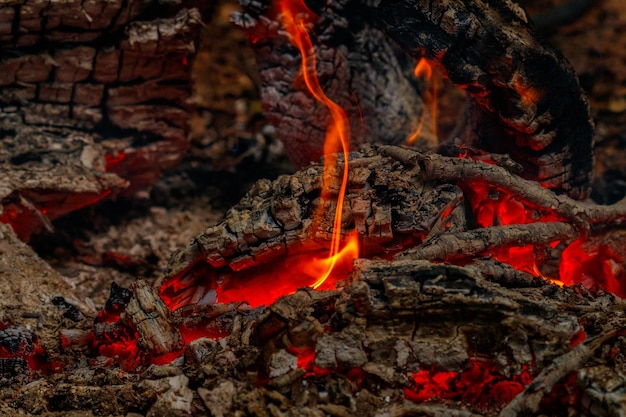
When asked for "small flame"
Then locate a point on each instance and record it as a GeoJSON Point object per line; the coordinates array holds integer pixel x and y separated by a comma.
{"type": "Point", "coordinates": [424, 69]}
{"type": "Point", "coordinates": [337, 137]}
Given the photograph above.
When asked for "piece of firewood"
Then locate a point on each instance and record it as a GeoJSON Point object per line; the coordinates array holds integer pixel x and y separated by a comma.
{"type": "Point", "coordinates": [358, 67]}
{"type": "Point", "coordinates": [152, 319]}
{"type": "Point", "coordinates": [525, 98]}
{"type": "Point", "coordinates": [94, 101]}
{"type": "Point", "coordinates": [387, 203]}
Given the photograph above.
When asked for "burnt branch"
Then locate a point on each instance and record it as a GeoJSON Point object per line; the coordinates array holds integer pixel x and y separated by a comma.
{"type": "Point", "coordinates": [461, 170]}
{"type": "Point", "coordinates": [452, 246]}
{"type": "Point", "coordinates": [93, 101]}
{"type": "Point", "coordinates": [528, 401]}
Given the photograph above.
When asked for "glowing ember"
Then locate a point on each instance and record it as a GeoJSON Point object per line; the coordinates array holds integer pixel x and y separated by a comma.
{"type": "Point", "coordinates": [263, 285]}
{"type": "Point", "coordinates": [494, 207]}
{"type": "Point", "coordinates": [482, 385]}
{"type": "Point", "coordinates": [594, 265]}
{"type": "Point", "coordinates": [423, 69]}
{"type": "Point", "coordinates": [21, 353]}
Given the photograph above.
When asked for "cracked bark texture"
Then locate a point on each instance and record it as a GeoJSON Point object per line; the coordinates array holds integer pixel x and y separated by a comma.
{"type": "Point", "coordinates": [358, 67]}
{"type": "Point", "coordinates": [93, 101]}
{"type": "Point", "coordinates": [525, 98]}
{"type": "Point", "coordinates": [394, 320]}
{"type": "Point", "coordinates": [386, 203]}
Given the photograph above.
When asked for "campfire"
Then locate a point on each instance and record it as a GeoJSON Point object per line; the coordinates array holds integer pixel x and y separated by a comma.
{"type": "Point", "coordinates": [407, 266]}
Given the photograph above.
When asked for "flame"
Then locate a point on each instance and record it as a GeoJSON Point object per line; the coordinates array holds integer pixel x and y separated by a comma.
{"type": "Point", "coordinates": [528, 94]}
{"type": "Point", "coordinates": [263, 284]}
{"type": "Point", "coordinates": [423, 69]}
{"type": "Point", "coordinates": [294, 13]}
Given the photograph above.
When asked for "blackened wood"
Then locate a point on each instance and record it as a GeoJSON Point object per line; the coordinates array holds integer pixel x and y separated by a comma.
{"type": "Point", "coordinates": [525, 98]}
{"type": "Point", "coordinates": [94, 101]}
{"type": "Point", "coordinates": [386, 203]}
{"type": "Point", "coordinates": [358, 67]}
{"type": "Point", "coordinates": [152, 319]}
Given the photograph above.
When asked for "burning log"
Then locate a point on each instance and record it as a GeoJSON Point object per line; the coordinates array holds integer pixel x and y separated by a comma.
{"type": "Point", "coordinates": [386, 203]}
{"type": "Point", "coordinates": [398, 334]}
{"type": "Point", "coordinates": [403, 204]}
{"type": "Point", "coordinates": [93, 102]}
{"type": "Point", "coordinates": [525, 97]}
{"type": "Point", "coordinates": [358, 66]}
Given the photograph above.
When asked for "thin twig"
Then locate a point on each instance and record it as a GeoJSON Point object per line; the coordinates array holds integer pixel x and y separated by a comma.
{"type": "Point", "coordinates": [449, 246]}
{"type": "Point", "coordinates": [527, 402]}
{"type": "Point", "coordinates": [435, 167]}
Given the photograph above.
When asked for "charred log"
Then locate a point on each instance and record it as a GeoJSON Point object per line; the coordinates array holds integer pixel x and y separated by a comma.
{"type": "Point", "coordinates": [399, 333]}
{"type": "Point", "coordinates": [525, 97]}
{"type": "Point", "coordinates": [359, 68]}
{"type": "Point", "coordinates": [93, 101]}
{"type": "Point", "coordinates": [387, 203]}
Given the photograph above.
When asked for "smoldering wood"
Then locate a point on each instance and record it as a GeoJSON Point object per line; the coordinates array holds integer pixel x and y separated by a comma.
{"type": "Point", "coordinates": [358, 67]}
{"type": "Point", "coordinates": [391, 319]}
{"type": "Point", "coordinates": [525, 97]}
{"type": "Point", "coordinates": [94, 101]}
{"type": "Point", "coordinates": [276, 220]}
{"type": "Point", "coordinates": [404, 312]}
{"type": "Point", "coordinates": [504, 274]}
{"type": "Point", "coordinates": [459, 170]}
{"type": "Point", "coordinates": [463, 245]}
{"type": "Point", "coordinates": [386, 202]}
{"type": "Point", "coordinates": [529, 400]}
{"type": "Point", "coordinates": [151, 317]}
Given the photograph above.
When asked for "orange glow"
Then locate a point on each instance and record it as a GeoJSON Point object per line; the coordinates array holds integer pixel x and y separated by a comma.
{"type": "Point", "coordinates": [494, 207]}
{"type": "Point", "coordinates": [425, 70]}
{"type": "Point", "coordinates": [263, 284]}
{"type": "Point", "coordinates": [337, 137]}
{"type": "Point", "coordinates": [528, 94]}
{"type": "Point", "coordinates": [481, 384]}
{"type": "Point", "coordinates": [594, 265]}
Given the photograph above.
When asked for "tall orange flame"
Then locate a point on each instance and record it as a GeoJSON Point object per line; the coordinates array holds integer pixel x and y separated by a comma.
{"type": "Point", "coordinates": [337, 139]}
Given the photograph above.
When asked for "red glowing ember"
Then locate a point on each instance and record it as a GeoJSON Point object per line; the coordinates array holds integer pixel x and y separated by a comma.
{"type": "Point", "coordinates": [482, 384]}
{"type": "Point", "coordinates": [595, 266]}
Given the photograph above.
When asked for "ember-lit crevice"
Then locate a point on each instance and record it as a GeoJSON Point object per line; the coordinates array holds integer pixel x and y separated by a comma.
{"type": "Point", "coordinates": [492, 206]}
{"type": "Point", "coordinates": [22, 355]}
{"type": "Point", "coordinates": [595, 265]}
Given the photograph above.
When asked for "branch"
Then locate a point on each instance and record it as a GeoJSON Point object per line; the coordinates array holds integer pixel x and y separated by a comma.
{"type": "Point", "coordinates": [449, 246]}
{"type": "Point", "coordinates": [459, 170]}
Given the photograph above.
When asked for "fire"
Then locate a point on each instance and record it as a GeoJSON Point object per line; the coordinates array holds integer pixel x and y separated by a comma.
{"type": "Point", "coordinates": [337, 139]}
{"type": "Point", "coordinates": [260, 285]}
{"type": "Point", "coordinates": [481, 384]}
{"type": "Point", "coordinates": [424, 69]}
{"type": "Point", "coordinates": [495, 207]}
{"type": "Point", "coordinates": [594, 265]}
